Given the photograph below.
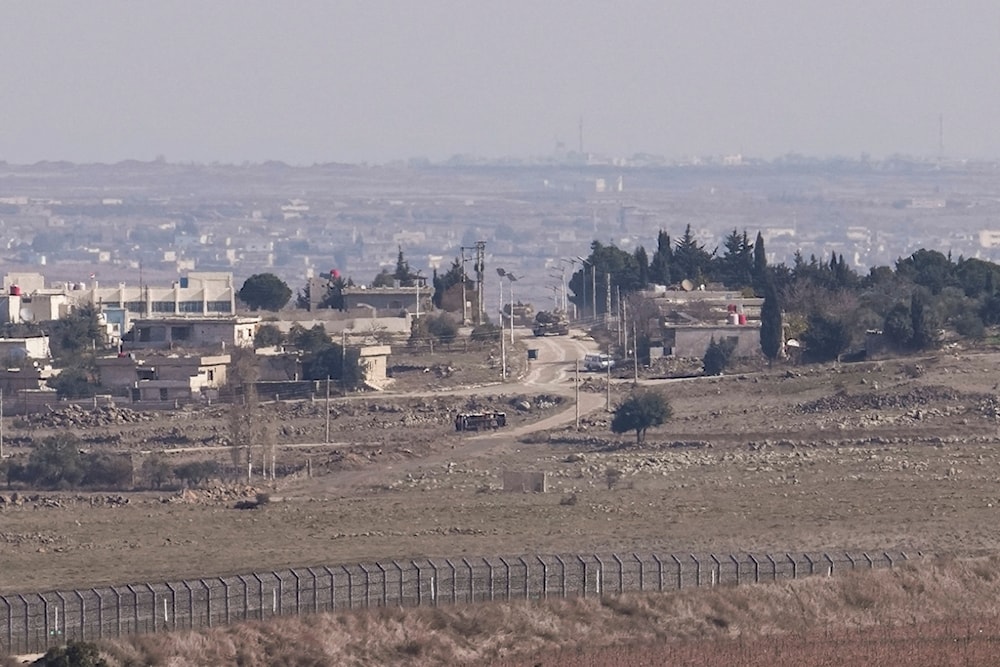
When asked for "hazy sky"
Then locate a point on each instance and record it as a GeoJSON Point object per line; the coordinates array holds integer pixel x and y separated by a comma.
{"type": "Point", "coordinates": [376, 80]}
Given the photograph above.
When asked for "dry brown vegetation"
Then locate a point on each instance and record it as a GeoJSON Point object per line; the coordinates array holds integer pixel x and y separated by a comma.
{"type": "Point", "coordinates": [898, 455]}
{"type": "Point", "coordinates": [932, 612]}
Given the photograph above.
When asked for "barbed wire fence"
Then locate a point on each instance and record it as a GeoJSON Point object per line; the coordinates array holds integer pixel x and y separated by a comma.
{"type": "Point", "coordinates": [33, 622]}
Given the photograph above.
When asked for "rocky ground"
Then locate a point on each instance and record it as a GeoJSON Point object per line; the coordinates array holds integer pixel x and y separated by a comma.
{"type": "Point", "coordinates": [889, 455]}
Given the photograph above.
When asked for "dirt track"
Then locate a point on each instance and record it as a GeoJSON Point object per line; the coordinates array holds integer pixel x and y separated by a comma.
{"type": "Point", "coordinates": [898, 454]}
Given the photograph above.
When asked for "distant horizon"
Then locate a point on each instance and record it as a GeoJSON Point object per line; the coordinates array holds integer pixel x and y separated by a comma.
{"type": "Point", "coordinates": [601, 160]}
{"type": "Point", "coordinates": [385, 81]}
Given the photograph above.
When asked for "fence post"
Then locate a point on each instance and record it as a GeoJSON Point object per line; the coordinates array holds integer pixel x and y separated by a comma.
{"type": "Point", "coordinates": [260, 595]}
{"type": "Point", "coordinates": [545, 578]}
{"type": "Point", "coordinates": [697, 571]}
{"type": "Point", "coordinates": [385, 585]}
{"type": "Point", "coordinates": [27, 640]}
{"type": "Point", "coordinates": [333, 587]}
{"type": "Point", "coordinates": [472, 590]}
{"type": "Point", "coordinates": [527, 590]}
{"type": "Point", "coordinates": [173, 607]}
{"type": "Point", "coordinates": [829, 560]}
{"type": "Point", "coordinates": [642, 578]}
{"type": "Point", "coordinates": [298, 591]}
{"type": "Point", "coordinates": [315, 584]}
{"type": "Point", "coordinates": [888, 558]}
{"type": "Point", "coordinates": [871, 563]}
{"type": "Point", "coordinates": [599, 584]}
{"type": "Point", "coordinates": [399, 571]}
{"type": "Point", "coordinates": [225, 592]}
{"type": "Point", "coordinates": [489, 569]}
{"type": "Point", "coordinates": [850, 559]}
{"type": "Point", "coordinates": [506, 566]}
{"type": "Point", "coordinates": [419, 596]}
{"type": "Point", "coordinates": [118, 610]}
{"type": "Point", "coordinates": [795, 574]}
{"type": "Point", "coordinates": [583, 564]}
{"type": "Point", "coordinates": [736, 564]}
{"type": "Point", "coordinates": [9, 645]}
{"type": "Point", "coordinates": [434, 580]}
{"type": "Point", "coordinates": [562, 575]}
{"type": "Point", "coordinates": [680, 572]}
{"type": "Point", "coordinates": [810, 561]}
{"type": "Point", "coordinates": [364, 571]}
{"type": "Point", "coordinates": [621, 573]}
{"type": "Point", "coordinates": [61, 610]}
{"type": "Point", "coordinates": [135, 608]}
{"type": "Point", "coordinates": [716, 570]}
{"type": "Point", "coordinates": [774, 568]}
{"type": "Point", "coordinates": [152, 602]}
{"type": "Point", "coordinates": [208, 601]}
{"type": "Point", "coordinates": [454, 581]}
{"type": "Point", "coordinates": [756, 568]}
{"type": "Point", "coordinates": [902, 554]}
{"type": "Point", "coordinates": [350, 588]}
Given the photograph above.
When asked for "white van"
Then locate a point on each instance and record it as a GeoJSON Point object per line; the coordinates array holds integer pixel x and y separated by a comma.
{"type": "Point", "coordinates": [598, 362]}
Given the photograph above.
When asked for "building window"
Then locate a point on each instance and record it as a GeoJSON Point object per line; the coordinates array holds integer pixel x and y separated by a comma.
{"type": "Point", "coordinates": [180, 333]}
{"type": "Point", "coordinates": [164, 395]}
{"type": "Point", "coordinates": [135, 306]}
{"type": "Point", "coordinates": [219, 307]}
{"type": "Point", "coordinates": [189, 306]}
{"type": "Point", "coordinates": [163, 306]}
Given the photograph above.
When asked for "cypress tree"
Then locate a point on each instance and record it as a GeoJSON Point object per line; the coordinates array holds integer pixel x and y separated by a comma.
{"type": "Point", "coordinates": [770, 324]}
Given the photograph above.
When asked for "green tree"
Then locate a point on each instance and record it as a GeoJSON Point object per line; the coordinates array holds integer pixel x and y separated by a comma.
{"type": "Point", "coordinates": [268, 335]}
{"type": "Point", "coordinates": [771, 332]}
{"type": "Point", "coordinates": [335, 362]}
{"type": "Point", "coordinates": [898, 326]}
{"type": "Point", "coordinates": [825, 338]}
{"type": "Point", "coordinates": [56, 462]}
{"type": "Point", "coordinates": [265, 291]}
{"type": "Point", "coordinates": [403, 274]}
{"type": "Point", "coordinates": [690, 260]}
{"type": "Point", "coordinates": [194, 473]}
{"type": "Point", "coordinates": [924, 327]}
{"type": "Point", "coordinates": [659, 266]}
{"type": "Point", "coordinates": [759, 275]}
{"type": "Point", "coordinates": [309, 340]}
{"type": "Point", "coordinates": [442, 326]}
{"type": "Point", "coordinates": [717, 356]}
{"type": "Point", "coordinates": [383, 279]}
{"type": "Point", "coordinates": [75, 333]}
{"type": "Point", "coordinates": [735, 267]}
{"type": "Point", "coordinates": [108, 471]}
{"type": "Point", "coordinates": [640, 411]}
{"type": "Point", "coordinates": [156, 471]}
{"type": "Point", "coordinates": [74, 382]}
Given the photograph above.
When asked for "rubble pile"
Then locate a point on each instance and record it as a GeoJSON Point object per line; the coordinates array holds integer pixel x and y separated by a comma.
{"type": "Point", "coordinates": [75, 416]}
{"type": "Point", "coordinates": [215, 495]}
{"type": "Point", "coordinates": [917, 397]}
{"type": "Point", "coordinates": [41, 500]}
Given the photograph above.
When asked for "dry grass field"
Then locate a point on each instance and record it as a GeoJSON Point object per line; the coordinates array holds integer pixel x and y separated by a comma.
{"type": "Point", "coordinates": [898, 454]}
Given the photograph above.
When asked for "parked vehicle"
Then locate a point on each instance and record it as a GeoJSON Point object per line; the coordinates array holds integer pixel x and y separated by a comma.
{"type": "Point", "coordinates": [598, 362]}
{"type": "Point", "coordinates": [478, 421]}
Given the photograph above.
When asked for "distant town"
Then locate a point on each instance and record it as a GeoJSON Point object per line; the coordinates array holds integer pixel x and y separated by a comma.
{"type": "Point", "coordinates": [134, 223]}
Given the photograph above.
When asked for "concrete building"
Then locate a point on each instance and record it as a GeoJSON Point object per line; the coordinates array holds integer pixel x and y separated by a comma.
{"type": "Point", "coordinates": [13, 351]}
{"type": "Point", "coordinates": [192, 333]}
{"type": "Point", "coordinates": [389, 300]}
{"type": "Point", "coordinates": [692, 341]}
{"type": "Point", "coordinates": [198, 293]}
{"type": "Point", "coordinates": [164, 378]}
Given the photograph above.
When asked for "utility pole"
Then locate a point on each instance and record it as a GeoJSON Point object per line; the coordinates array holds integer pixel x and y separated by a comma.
{"type": "Point", "coordinates": [327, 409]}
{"type": "Point", "coordinates": [577, 392]}
{"type": "Point", "coordinates": [465, 299]}
{"type": "Point", "coordinates": [635, 355]}
{"type": "Point", "coordinates": [1, 422]}
{"type": "Point", "coordinates": [609, 379]}
{"type": "Point", "coordinates": [607, 296]}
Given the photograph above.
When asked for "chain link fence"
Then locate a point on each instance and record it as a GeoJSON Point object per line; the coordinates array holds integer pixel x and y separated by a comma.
{"type": "Point", "coordinates": [33, 622]}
